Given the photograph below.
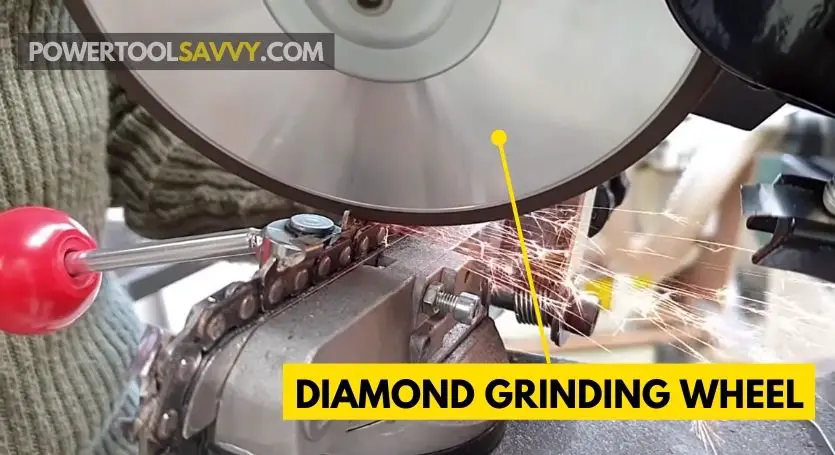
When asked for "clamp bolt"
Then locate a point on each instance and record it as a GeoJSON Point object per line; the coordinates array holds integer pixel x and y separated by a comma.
{"type": "Point", "coordinates": [463, 307]}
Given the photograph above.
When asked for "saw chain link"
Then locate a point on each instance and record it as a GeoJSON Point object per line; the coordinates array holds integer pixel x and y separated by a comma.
{"type": "Point", "coordinates": [173, 368]}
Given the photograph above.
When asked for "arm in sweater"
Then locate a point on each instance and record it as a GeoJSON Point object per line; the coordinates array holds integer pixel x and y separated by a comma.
{"type": "Point", "coordinates": [168, 189]}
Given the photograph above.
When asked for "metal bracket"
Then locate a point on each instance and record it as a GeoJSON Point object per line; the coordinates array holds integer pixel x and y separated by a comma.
{"type": "Point", "coordinates": [803, 232]}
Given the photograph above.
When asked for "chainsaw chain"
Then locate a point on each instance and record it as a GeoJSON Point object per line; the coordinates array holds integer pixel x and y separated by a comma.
{"type": "Point", "coordinates": [172, 369]}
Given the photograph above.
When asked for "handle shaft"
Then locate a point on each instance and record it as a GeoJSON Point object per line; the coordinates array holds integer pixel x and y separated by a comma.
{"type": "Point", "coordinates": [221, 245]}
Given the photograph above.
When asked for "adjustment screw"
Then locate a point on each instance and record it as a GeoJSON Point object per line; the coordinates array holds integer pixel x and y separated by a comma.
{"type": "Point", "coordinates": [463, 307]}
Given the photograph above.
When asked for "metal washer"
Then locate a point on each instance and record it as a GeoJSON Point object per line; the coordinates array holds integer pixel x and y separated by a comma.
{"type": "Point", "coordinates": [311, 224]}
{"type": "Point", "coordinates": [407, 41]}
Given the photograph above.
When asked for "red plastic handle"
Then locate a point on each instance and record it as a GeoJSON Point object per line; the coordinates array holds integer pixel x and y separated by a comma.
{"type": "Point", "coordinates": [37, 294]}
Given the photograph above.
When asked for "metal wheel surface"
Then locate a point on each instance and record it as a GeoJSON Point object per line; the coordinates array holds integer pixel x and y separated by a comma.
{"type": "Point", "coordinates": [400, 131]}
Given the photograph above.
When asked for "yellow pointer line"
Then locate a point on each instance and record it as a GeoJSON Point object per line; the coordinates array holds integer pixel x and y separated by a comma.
{"type": "Point", "coordinates": [499, 139]}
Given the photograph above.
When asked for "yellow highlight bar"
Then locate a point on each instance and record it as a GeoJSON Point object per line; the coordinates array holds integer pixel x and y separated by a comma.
{"type": "Point", "coordinates": [499, 139]}
{"type": "Point", "coordinates": [549, 392]}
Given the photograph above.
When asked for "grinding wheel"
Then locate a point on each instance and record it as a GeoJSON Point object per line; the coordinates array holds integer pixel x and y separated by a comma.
{"type": "Point", "coordinates": [399, 130]}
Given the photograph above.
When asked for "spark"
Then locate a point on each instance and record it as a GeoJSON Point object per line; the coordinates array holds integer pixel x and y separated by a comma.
{"type": "Point", "coordinates": [707, 435]}
{"type": "Point", "coordinates": [730, 330]}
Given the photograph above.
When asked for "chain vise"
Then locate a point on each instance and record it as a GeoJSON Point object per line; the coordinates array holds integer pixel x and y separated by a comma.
{"type": "Point", "coordinates": [355, 293]}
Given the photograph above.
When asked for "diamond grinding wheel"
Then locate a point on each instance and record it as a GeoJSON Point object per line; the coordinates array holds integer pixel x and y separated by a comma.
{"type": "Point", "coordinates": [399, 132]}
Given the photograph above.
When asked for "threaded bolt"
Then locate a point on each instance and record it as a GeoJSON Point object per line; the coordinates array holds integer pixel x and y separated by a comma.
{"type": "Point", "coordinates": [525, 312]}
{"type": "Point", "coordinates": [829, 196]}
{"type": "Point", "coordinates": [578, 316]}
{"type": "Point", "coordinates": [463, 307]}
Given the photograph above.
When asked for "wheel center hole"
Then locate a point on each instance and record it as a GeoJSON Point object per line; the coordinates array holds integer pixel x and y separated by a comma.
{"type": "Point", "coordinates": [371, 7]}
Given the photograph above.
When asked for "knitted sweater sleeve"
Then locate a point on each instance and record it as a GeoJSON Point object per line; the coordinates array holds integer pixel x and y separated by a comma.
{"type": "Point", "coordinates": [168, 189]}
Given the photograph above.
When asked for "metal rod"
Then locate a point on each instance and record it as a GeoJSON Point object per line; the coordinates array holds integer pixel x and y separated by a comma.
{"type": "Point", "coordinates": [221, 245]}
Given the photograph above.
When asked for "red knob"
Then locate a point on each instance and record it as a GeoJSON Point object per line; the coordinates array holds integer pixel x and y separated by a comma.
{"type": "Point", "coordinates": [37, 294]}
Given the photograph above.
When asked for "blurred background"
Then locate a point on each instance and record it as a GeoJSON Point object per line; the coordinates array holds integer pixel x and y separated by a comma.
{"type": "Point", "coordinates": [681, 218]}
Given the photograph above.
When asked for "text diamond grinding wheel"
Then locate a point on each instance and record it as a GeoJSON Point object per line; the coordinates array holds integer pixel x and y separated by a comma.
{"type": "Point", "coordinates": [400, 131]}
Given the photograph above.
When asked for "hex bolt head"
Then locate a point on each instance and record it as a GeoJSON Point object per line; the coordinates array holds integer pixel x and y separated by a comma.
{"type": "Point", "coordinates": [430, 297]}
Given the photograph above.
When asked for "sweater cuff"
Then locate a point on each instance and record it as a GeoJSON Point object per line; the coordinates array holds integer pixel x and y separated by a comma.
{"type": "Point", "coordinates": [60, 393]}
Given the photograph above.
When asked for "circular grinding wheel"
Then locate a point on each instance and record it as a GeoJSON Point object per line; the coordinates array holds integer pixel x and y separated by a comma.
{"type": "Point", "coordinates": [400, 130]}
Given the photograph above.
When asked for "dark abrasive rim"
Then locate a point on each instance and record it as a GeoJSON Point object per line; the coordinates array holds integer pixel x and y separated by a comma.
{"type": "Point", "coordinates": [691, 91]}
{"type": "Point", "coordinates": [483, 444]}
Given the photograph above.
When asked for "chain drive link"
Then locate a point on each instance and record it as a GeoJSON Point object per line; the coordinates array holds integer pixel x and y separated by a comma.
{"type": "Point", "coordinates": [218, 318]}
